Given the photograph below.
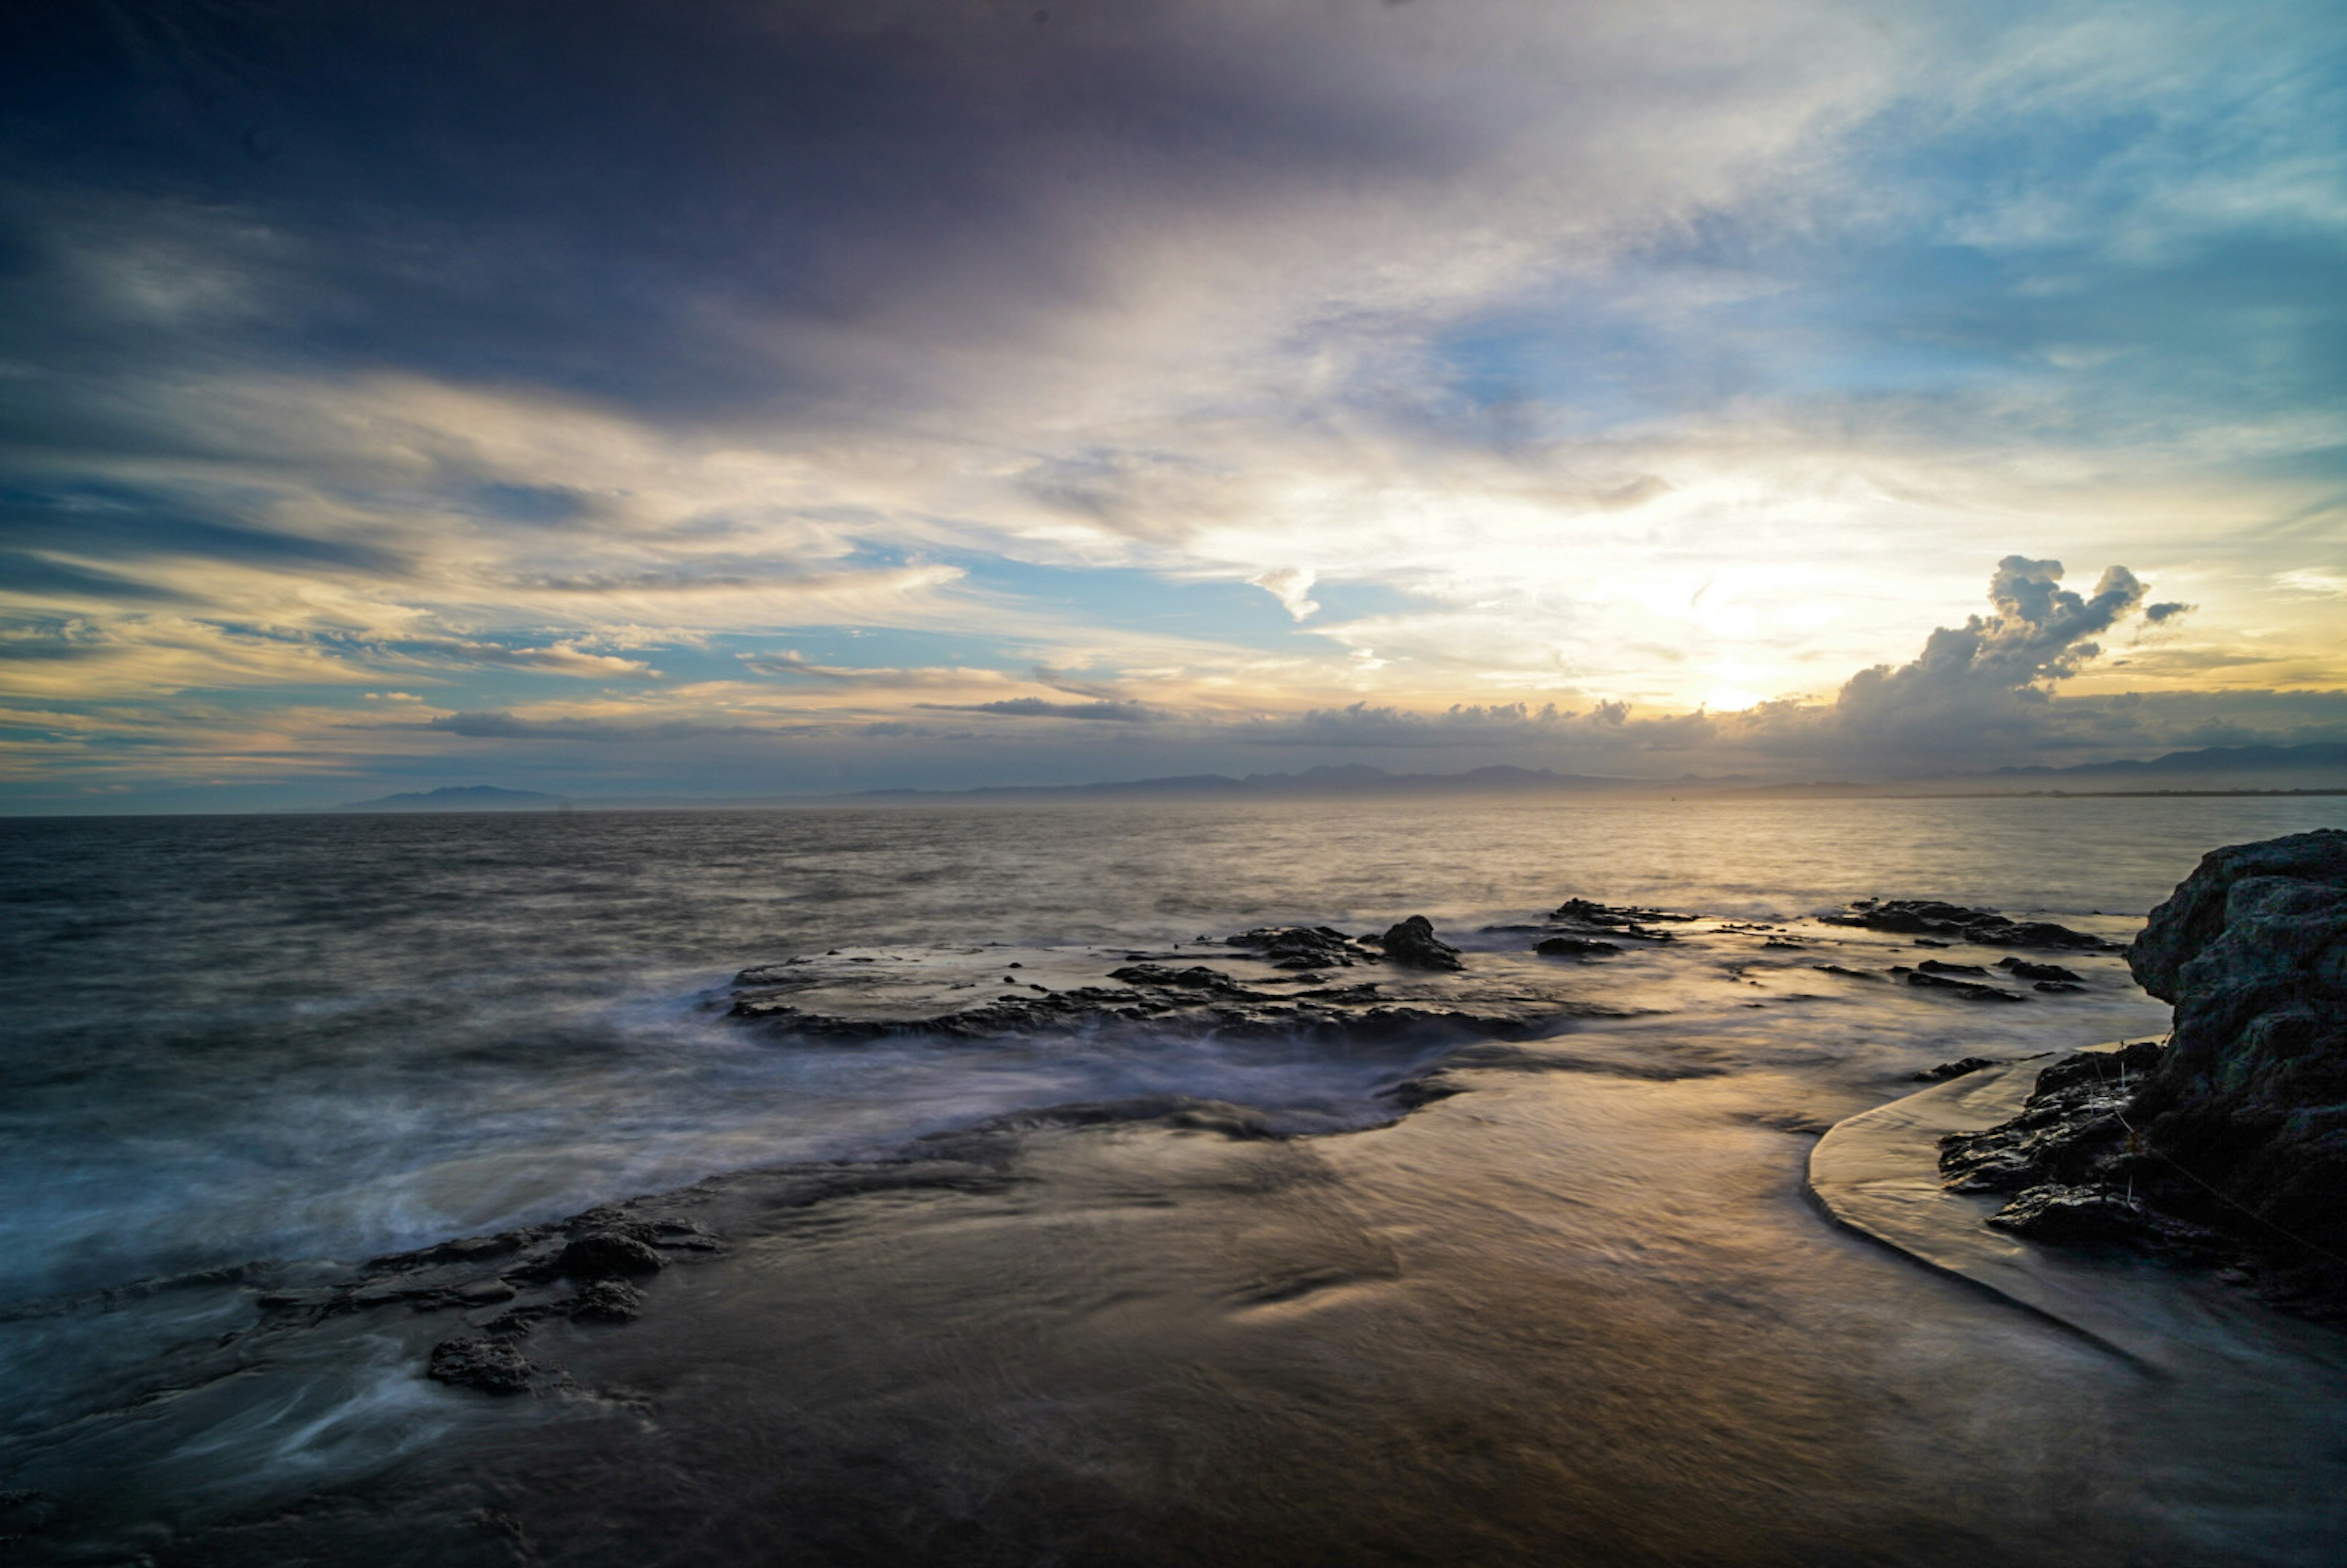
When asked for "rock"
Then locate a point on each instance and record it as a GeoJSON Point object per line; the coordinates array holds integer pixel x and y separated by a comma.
{"type": "Point", "coordinates": [1575, 947]}
{"type": "Point", "coordinates": [1197, 978]}
{"type": "Point", "coordinates": [492, 1365]}
{"type": "Point", "coordinates": [607, 1301]}
{"type": "Point", "coordinates": [2072, 1217]}
{"type": "Point", "coordinates": [2251, 1097]}
{"type": "Point", "coordinates": [1605, 919]}
{"type": "Point", "coordinates": [603, 1254]}
{"type": "Point", "coordinates": [1301, 946]}
{"type": "Point", "coordinates": [1947, 1070]}
{"type": "Point", "coordinates": [2055, 988]}
{"type": "Point", "coordinates": [1848, 974]}
{"type": "Point", "coordinates": [1930, 918]}
{"type": "Point", "coordinates": [2023, 969]}
{"type": "Point", "coordinates": [1938, 966]}
{"type": "Point", "coordinates": [2069, 1132]}
{"type": "Point", "coordinates": [1414, 943]}
{"type": "Point", "coordinates": [1971, 990]}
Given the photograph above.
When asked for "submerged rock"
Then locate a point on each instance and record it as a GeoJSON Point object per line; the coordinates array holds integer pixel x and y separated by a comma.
{"type": "Point", "coordinates": [1957, 1068]}
{"type": "Point", "coordinates": [2023, 969]}
{"type": "Point", "coordinates": [1971, 990]}
{"type": "Point", "coordinates": [1575, 947]}
{"type": "Point", "coordinates": [1954, 922]}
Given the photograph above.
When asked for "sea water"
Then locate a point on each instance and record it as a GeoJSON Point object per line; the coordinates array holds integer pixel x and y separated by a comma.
{"type": "Point", "coordinates": [327, 1037]}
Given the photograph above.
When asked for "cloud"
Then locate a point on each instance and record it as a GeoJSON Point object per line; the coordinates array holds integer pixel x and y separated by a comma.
{"type": "Point", "coordinates": [2159, 613]}
{"type": "Point", "coordinates": [1292, 586]}
{"type": "Point", "coordinates": [1037, 708]}
{"type": "Point", "coordinates": [565, 658]}
{"type": "Point", "coordinates": [505, 726]}
{"type": "Point", "coordinates": [1991, 673]}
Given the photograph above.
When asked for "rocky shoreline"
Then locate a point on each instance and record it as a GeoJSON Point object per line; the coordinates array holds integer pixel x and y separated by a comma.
{"type": "Point", "coordinates": [2226, 1148]}
{"type": "Point", "coordinates": [1289, 981]}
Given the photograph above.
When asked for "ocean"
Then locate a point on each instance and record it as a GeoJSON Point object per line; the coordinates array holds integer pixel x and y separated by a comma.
{"type": "Point", "coordinates": [316, 1039]}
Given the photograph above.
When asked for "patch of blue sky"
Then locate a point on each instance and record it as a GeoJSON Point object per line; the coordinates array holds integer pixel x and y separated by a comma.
{"type": "Point", "coordinates": [1227, 611]}
{"type": "Point", "coordinates": [844, 646]}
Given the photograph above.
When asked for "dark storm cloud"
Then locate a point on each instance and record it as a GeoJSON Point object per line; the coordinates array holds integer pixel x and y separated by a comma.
{"type": "Point", "coordinates": [90, 516]}
{"type": "Point", "coordinates": [504, 726]}
{"type": "Point", "coordinates": [595, 195]}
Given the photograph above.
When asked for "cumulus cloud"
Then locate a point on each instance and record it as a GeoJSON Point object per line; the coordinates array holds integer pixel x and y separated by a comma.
{"type": "Point", "coordinates": [2158, 614]}
{"type": "Point", "coordinates": [1990, 674]}
{"type": "Point", "coordinates": [1292, 586]}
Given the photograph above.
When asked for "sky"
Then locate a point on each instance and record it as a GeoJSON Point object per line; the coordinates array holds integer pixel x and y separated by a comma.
{"type": "Point", "coordinates": [758, 397]}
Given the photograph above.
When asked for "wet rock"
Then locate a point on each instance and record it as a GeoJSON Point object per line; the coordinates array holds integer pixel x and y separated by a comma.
{"type": "Point", "coordinates": [1301, 946]}
{"type": "Point", "coordinates": [1589, 912]}
{"type": "Point", "coordinates": [1575, 947]}
{"type": "Point", "coordinates": [1848, 974]}
{"type": "Point", "coordinates": [2072, 1217]}
{"type": "Point", "coordinates": [1937, 967]}
{"type": "Point", "coordinates": [1958, 1069]}
{"type": "Point", "coordinates": [2023, 969]}
{"type": "Point", "coordinates": [1971, 990]}
{"type": "Point", "coordinates": [2252, 1098]}
{"type": "Point", "coordinates": [2056, 987]}
{"type": "Point", "coordinates": [2070, 1131]}
{"type": "Point", "coordinates": [492, 1364]}
{"type": "Point", "coordinates": [1954, 922]}
{"type": "Point", "coordinates": [1413, 943]}
{"type": "Point", "coordinates": [1589, 917]}
{"type": "Point", "coordinates": [607, 1254]}
{"type": "Point", "coordinates": [607, 1301]}
{"type": "Point", "coordinates": [1197, 978]}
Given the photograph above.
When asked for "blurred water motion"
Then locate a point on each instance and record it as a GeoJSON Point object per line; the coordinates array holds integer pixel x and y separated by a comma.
{"type": "Point", "coordinates": [1579, 1312]}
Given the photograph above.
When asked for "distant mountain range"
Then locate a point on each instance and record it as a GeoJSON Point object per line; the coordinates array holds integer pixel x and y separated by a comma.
{"type": "Point", "coordinates": [2223, 768]}
{"type": "Point", "coordinates": [469, 797]}
{"type": "Point", "coordinates": [2210, 760]}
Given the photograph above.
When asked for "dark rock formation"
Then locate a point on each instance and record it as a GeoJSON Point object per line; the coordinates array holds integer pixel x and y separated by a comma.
{"type": "Point", "coordinates": [607, 1301]}
{"type": "Point", "coordinates": [1953, 922]}
{"type": "Point", "coordinates": [1940, 967]}
{"type": "Point", "coordinates": [2231, 1143]}
{"type": "Point", "coordinates": [1971, 990]}
{"type": "Point", "coordinates": [2070, 1131]}
{"type": "Point", "coordinates": [1302, 946]}
{"type": "Point", "coordinates": [1585, 916]}
{"type": "Point", "coordinates": [609, 1253]}
{"type": "Point", "coordinates": [1413, 943]}
{"type": "Point", "coordinates": [2023, 969]}
{"type": "Point", "coordinates": [483, 1361]}
{"type": "Point", "coordinates": [2252, 1098]}
{"type": "Point", "coordinates": [1958, 1069]}
{"type": "Point", "coordinates": [1575, 947]}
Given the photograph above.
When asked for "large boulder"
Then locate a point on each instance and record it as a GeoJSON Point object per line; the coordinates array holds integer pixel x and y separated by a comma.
{"type": "Point", "coordinates": [2248, 1104]}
